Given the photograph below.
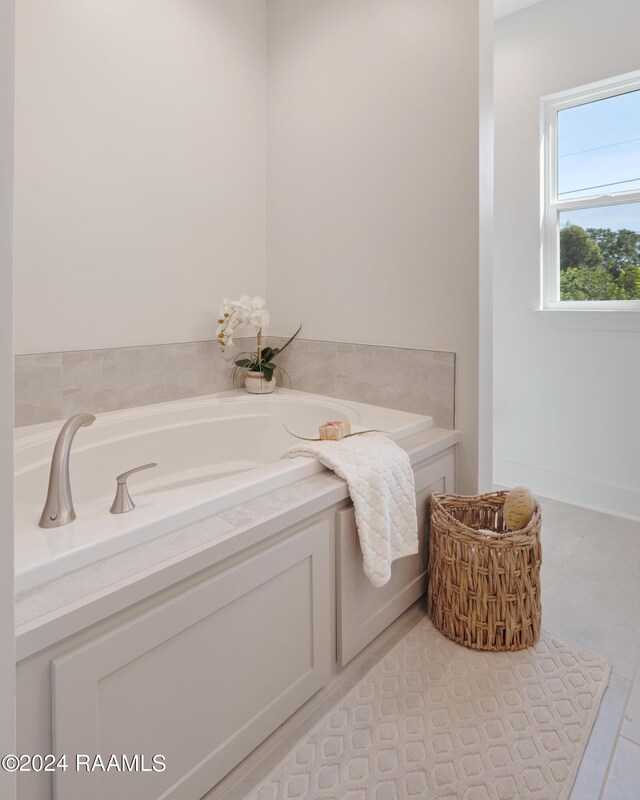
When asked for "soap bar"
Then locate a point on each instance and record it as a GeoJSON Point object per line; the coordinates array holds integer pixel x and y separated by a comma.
{"type": "Point", "coordinates": [335, 430]}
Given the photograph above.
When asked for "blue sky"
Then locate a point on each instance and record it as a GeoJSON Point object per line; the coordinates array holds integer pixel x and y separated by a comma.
{"type": "Point", "coordinates": [599, 146]}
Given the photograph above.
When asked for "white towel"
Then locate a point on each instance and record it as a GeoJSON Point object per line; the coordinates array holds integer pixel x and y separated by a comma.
{"type": "Point", "coordinates": [380, 480]}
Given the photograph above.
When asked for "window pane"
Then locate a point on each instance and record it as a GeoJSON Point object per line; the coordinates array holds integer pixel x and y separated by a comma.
{"type": "Point", "coordinates": [599, 147]}
{"type": "Point", "coordinates": [600, 253]}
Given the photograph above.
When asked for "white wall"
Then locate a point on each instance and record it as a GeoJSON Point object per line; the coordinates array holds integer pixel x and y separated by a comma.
{"type": "Point", "coordinates": [7, 659]}
{"type": "Point", "coordinates": [140, 168]}
{"type": "Point", "coordinates": [142, 195]}
{"type": "Point", "coordinates": [566, 400]}
{"type": "Point", "coordinates": [374, 169]}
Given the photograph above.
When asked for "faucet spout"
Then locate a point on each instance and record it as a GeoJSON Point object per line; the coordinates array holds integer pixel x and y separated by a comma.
{"type": "Point", "coordinates": [58, 508]}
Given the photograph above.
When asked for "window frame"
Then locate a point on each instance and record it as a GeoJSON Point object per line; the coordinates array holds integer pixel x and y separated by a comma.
{"type": "Point", "coordinates": [551, 206]}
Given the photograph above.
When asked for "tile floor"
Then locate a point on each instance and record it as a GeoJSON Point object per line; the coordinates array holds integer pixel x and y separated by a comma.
{"type": "Point", "coordinates": [591, 595]}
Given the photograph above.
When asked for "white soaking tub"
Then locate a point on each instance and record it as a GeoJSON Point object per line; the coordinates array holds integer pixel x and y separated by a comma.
{"type": "Point", "coordinates": [212, 452]}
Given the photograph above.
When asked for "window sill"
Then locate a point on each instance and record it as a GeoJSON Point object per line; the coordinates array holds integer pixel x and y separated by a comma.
{"type": "Point", "coordinates": [591, 319]}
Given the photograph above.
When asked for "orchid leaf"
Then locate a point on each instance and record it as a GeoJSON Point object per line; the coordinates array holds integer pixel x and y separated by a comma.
{"type": "Point", "coordinates": [288, 342]}
{"type": "Point", "coordinates": [267, 354]}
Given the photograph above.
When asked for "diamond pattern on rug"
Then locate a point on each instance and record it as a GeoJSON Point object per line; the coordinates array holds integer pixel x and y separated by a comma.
{"type": "Point", "coordinates": [436, 721]}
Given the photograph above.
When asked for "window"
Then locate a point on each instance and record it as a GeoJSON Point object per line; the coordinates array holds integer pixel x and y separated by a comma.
{"type": "Point", "coordinates": [591, 213]}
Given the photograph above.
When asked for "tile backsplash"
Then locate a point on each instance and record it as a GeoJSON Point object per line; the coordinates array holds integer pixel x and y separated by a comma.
{"type": "Point", "coordinates": [422, 381]}
{"type": "Point", "coordinates": [52, 386]}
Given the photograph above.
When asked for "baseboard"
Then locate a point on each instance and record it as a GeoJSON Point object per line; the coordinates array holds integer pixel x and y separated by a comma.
{"type": "Point", "coordinates": [575, 489]}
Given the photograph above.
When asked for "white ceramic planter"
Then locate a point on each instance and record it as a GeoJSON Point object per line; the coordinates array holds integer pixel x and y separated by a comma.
{"type": "Point", "coordinates": [255, 383]}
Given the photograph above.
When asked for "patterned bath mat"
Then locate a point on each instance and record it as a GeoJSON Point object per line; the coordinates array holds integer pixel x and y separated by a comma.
{"type": "Point", "coordinates": [436, 721]}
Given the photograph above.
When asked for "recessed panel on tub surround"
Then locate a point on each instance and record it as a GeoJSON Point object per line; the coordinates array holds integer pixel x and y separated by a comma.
{"type": "Point", "coordinates": [52, 386]}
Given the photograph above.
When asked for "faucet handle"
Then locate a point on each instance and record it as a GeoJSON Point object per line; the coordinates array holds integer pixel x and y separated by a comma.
{"type": "Point", "coordinates": [122, 478]}
{"type": "Point", "coordinates": [122, 501]}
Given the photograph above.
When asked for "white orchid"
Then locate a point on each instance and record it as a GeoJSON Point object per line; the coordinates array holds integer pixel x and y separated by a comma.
{"type": "Point", "coordinates": [245, 311]}
{"type": "Point", "coordinates": [255, 312]}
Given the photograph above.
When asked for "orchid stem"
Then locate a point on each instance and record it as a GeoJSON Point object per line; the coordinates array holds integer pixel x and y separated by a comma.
{"type": "Point", "coordinates": [260, 348]}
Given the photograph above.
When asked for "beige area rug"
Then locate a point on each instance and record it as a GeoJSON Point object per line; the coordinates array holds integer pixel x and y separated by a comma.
{"type": "Point", "coordinates": [435, 720]}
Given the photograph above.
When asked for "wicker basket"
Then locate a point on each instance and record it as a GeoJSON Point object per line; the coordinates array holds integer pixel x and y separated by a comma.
{"type": "Point", "coordinates": [484, 581]}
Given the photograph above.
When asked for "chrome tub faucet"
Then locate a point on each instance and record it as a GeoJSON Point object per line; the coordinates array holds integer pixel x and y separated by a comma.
{"type": "Point", "coordinates": [58, 508]}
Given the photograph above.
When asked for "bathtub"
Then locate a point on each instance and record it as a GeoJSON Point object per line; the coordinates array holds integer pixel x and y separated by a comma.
{"type": "Point", "coordinates": [213, 453]}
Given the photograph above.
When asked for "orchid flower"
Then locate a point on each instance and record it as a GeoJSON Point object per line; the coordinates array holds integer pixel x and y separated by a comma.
{"type": "Point", "coordinates": [245, 311]}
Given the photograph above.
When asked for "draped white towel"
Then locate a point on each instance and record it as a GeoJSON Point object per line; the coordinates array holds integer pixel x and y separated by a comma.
{"type": "Point", "coordinates": [380, 480]}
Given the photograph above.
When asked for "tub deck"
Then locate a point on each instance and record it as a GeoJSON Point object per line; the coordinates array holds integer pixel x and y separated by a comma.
{"type": "Point", "coordinates": [213, 453]}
